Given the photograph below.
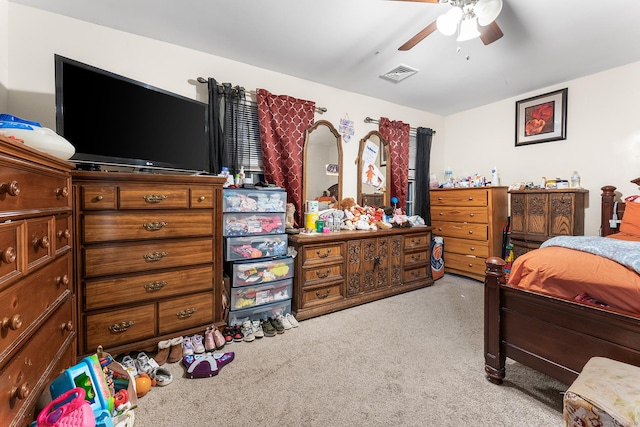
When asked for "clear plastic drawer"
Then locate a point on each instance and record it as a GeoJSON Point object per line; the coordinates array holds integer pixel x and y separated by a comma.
{"type": "Point", "coordinates": [243, 248]}
{"type": "Point", "coordinates": [259, 272]}
{"type": "Point", "coordinates": [247, 224]}
{"type": "Point", "coordinates": [254, 200]}
{"type": "Point", "coordinates": [254, 296]}
{"type": "Point", "coordinates": [260, 312]}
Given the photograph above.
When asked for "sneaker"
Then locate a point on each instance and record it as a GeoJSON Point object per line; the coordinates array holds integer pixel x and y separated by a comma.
{"type": "Point", "coordinates": [209, 342]}
{"type": "Point", "coordinates": [292, 320]}
{"type": "Point", "coordinates": [130, 365]}
{"type": "Point", "coordinates": [238, 336]}
{"type": "Point", "coordinates": [285, 323]}
{"type": "Point", "coordinates": [228, 334]}
{"type": "Point", "coordinates": [218, 339]}
{"type": "Point", "coordinates": [277, 325]}
{"type": "Point", "coordinates": [145, 364]}
{"type": "Point", "coordinates": [247, 331]}
{"type": "Point", "coordinates": [187, 346]}
{"type": "Point", "coordinates": [268, 329]}
{"type": "Point", "coordinates": [196, 341]}
{"type": "Point", "coordinates": [257, 329]}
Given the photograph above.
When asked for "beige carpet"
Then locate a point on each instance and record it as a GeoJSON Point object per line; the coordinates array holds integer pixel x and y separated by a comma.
{"type": "Point", "coordinates": [414, 359]}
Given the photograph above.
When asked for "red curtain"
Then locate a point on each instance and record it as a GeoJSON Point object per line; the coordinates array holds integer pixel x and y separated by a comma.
{"type": "Point", "coordinates": [397, 135]}
{"type": "Point", "coordinates": [283, 122]}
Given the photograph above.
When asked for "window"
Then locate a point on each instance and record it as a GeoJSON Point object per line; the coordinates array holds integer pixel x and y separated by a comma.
{"type": "Point", "coordinates": [242, 137]}
{"type": "Point", "coordinates": [412, 173]}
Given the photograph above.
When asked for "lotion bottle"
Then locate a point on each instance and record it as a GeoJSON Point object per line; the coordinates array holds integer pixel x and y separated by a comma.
{"type": "Point", "coordinates": [495, 179]}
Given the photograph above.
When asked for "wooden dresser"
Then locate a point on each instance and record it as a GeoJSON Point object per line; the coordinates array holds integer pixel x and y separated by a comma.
{"type": "Point", "coordinates": [338, 270]}
{"type": "Point", "coordinates": [538, 215]}
{"type": "Point", "coordinates": [37, 339]}
{"type": "Point", "coordinates": [471, 222]}
{"type": "Point", "coordinates": [148, 258]}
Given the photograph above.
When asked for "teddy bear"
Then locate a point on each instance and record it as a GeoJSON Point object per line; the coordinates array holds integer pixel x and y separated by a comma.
{"type": "Point", "coordinates": [347, 203]}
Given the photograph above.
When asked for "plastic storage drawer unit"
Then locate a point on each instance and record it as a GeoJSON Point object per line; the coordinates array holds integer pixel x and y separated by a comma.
{"type": "Point", "coordinates": [260, 312]}
{"type": "Point", "coordinates": [254, 296]}
{"type": "Point", "coordinates": [258, 272]}
{"type": "Point", "coordinates": [251, 224]}
{"type": "Point", "coordinates": [242, 248]}
{"type": "Point", "coordinates": [252, 200]}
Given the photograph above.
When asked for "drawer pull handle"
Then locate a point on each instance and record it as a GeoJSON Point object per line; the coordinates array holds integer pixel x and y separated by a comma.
{"type": "Point", "coordinates": [154, 198]}
{"type": "Point", "coordinates": [439, 198]}
{"type": "Point", "coordinates": [472, 215]}
{"type": "Point", "coordinates": [441, 213]}
{"type": "Point", "coordinates": [156, 256]}
{"type": "Point", "coordinates": [186, 313]}
{"type": "Point", "coordinates": [14, 323]}
{"type": "Point", "coordinates": [439, 228]}
{"type": "Point", "coordinates": [99, 198]}
{"type": "Point", "coordinates": [470, 198]}
{"type": "Point", "coordinates": [122, 326]}
{"type": "Point", "coordinates": [470, 265]}
{"type": "Point", "coordinates": [21, 392]}
{"type": "Point", "coordinates": [154, 226]}
{"type": "Point", "coordinates": [155, 286]}
{"type": "Point", "coordinates": [470, 231]}
{"type": "Point", "coordinates": [324, 254]}
{"type": "Point", "coordinates": [9, 255]}
{"type": "Point", "coordinates": [472, 248]}
{"type": "Point", "coordinates": [201, 198]}
{"type": "Point", "coordinates": [62, 280]}
{"type": "Point", "coordinates": [64, 234]}
{"type": "Point", "coordinates": [323, 295]}
{"type": "Point", "coordinates": [12, 188]}
{"type": "Point", "coordinates": [323, 275]}
{"type": "Point", "coordinates": [42, 242]}
{"type": "Point", "coordinates": [67, 326]}
{"type": "Point", "coordinates": [62, 192]}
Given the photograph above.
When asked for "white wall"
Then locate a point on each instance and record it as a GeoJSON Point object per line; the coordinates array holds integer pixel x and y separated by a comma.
{"type": "Point", "coordinates": [4, 52]}
{"type": "Point", "coordinates": [169, 67]}
{"type": "Point", "coordinates": [603, 139]}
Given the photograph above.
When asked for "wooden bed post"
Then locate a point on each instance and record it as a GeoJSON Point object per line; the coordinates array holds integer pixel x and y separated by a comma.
{"type": "Point", "coordinates": [608, 200]}
{"type": "Point", "coordinates": [493, 355]}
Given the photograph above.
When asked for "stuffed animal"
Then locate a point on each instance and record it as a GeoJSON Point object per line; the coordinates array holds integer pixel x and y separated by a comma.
{"type": "Point", "coordinates": [347, 203]}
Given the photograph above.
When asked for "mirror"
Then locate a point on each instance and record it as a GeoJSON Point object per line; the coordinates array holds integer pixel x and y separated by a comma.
{"type": "Point", "coordinates": [322, 163]}
{"type": "Point", "coordinates": [374, 171]}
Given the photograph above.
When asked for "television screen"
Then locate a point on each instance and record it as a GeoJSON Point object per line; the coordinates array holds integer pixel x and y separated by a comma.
{"type": "Point", "coordinates": [114, 120]}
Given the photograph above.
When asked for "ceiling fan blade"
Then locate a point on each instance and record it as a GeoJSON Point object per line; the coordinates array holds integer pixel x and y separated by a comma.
{"type": "Point", "coordinates": [419, 37]}
{"type": "Point", "coordinates": [490, 33]}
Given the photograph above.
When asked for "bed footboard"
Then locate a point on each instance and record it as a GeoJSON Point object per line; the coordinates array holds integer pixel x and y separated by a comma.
{"type": "Point", "coordinates": [493, 355]}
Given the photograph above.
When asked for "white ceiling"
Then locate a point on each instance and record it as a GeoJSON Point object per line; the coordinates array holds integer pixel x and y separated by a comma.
{"type": "Point", "coordinates": [348, 44]}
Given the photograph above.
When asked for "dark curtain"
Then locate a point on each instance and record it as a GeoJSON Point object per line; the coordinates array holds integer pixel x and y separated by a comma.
{"type": "Point", "coordinates": [397, 135]}
{"type": "Point", "coordinates": [283, 122]}
{"type": "Point", "coordinates": [423, 157]}
{"type": "Point", "coordinates": [215, 128]}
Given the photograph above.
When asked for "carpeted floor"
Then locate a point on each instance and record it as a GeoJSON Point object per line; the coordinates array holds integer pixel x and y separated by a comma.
{"type": "Point", "coordinates": [414, 359]}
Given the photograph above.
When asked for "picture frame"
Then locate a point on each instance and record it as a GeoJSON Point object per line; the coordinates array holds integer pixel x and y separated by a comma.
{"type": "Point", "coordinates": [383, 157]}
{"type": "Point", "coordinates": [542, 118]}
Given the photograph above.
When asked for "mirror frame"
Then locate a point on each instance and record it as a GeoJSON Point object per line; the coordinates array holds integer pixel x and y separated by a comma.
{"type": "Point", "coordinates": [385, 145]}
{"type": "Point", "coordinates": [305, 163]}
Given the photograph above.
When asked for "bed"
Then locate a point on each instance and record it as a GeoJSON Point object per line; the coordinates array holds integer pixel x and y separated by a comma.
{"type": "Point", "coordinates": [557, 335]}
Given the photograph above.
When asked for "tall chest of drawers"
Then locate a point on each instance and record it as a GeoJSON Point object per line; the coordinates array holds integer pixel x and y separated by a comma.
{"type": "Point", "coordinates": [471, 222]}
{"type": "Point", "coordinates": [37, 335]}
{"type": "Point", "coordinates": [148, 257]}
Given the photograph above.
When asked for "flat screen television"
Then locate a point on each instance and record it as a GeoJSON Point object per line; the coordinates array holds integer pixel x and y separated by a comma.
{"type": "Point", "coordinates": [116, 121]}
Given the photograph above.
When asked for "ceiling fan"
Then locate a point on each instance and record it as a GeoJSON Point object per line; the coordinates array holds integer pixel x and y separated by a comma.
{"type": "Point", "coordinates": [469, 18]}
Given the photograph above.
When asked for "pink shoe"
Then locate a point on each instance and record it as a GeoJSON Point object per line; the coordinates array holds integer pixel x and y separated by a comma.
{"type": "Point", "coordinates": [209, 343]}
{"type": "Point", "coordinates": [219, 340]}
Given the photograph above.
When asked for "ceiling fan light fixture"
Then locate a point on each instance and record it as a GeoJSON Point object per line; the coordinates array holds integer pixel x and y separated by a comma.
{"type": "Point", "coordinates": [468, 29]}
{"type": "Point", "coordinates": [447, 23]}
{"type": "Point", "coordinates": [487, 11]}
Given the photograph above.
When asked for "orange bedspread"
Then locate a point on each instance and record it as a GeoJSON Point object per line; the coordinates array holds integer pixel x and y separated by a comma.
{"type": "Point", "coordinates": [566, 273]}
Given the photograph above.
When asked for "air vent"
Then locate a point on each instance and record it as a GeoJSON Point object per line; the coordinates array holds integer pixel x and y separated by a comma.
{"type": "Point", "coordinates": [399, 73]}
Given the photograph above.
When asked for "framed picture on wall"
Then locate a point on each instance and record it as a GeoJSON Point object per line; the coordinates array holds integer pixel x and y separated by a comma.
{"type": "Point", "coordinates": [542, 118]}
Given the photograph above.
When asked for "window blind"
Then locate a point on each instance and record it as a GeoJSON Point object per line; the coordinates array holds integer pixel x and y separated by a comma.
{"type": "Point", "coordinates": [242, 137]}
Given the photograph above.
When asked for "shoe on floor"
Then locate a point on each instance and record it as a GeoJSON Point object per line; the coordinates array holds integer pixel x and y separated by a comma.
{"type": "Point", "coordinates": [218, 339]}
{"type": "Point", "coordinates": [187, 346]}
{"type": "Point", "coordinates": [175, 351]}
{"type": "Point", "coordinates": [209, 342]}
{"type": "Point", "coordinates": [268, 329]}
{"type": "Point", "coordinates": [163, 352]}
{"type": "Point", "coordinates": [238, 336]}
{"type": "Point", "coordinates": [292, 320]}
{"type": "Point", "coordinates": [163, 377]}
{"type": "Point", "coordinates": [228, 334]}
{"type": "Point", "coordinates": [277, 325]}
{"type": "Point", "coordinates": [130, 365]}
{"type": "Point", "coordinates": [257, 329]}
{"type": "Point", "coordinates": [196, 342]}
{"type": "Point", "coordinates": [285, 323]}
{"type": "Point", "coordinates": [247, 331]}
{"type": "Point", "coordinates": [145, 364]}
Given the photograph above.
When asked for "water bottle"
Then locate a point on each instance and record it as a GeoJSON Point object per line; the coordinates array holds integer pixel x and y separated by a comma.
{"type": "Point", "coordinates": [495, 178]}
{"type": "Point", "coordinates": [575, 180]}
{"type": "Point", "coordinates": [448, 176]}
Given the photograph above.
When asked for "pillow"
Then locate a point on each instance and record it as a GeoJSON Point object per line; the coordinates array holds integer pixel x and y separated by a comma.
{"type": "Point", "coordinates": [631, 219]}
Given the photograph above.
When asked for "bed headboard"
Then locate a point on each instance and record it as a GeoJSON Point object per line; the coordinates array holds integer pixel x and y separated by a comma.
{"type": "Point", "coordinates": [608, 205]}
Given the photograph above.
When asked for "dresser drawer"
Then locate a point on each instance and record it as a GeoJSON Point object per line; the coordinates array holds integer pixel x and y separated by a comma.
{"type": "Point", "coordinates": [417, 242]}
{"type": "Point", "coordinates": [460, 230]}
{"type": "Point", "coordinates": [459, 197]}
{"type": "Point", "coordinates": [460, 214]}
{"type": "Point", "coordinates": [187, 312]}
{"type": "Point", "coordinates": [136, 257]}
{"type": "Point", "coordinates": [32, 189]}
{"type": "Point", "coordinates": [63, 234]}
{"type": "Point", "coordinates": [153, 197]}
{"type": "Point", "coordinates": [114, 226]}
{"type": "Point", "coordinates": [467, 264]}
{"type": "Point", "coordinates": [98, 197]}
{"type": "Point", "coordinates": [22, 378]}
{"type": "Point", "coordinates": [119, 327]}
{"type": "Point", "coordinates": [415, 274]}
{"type": "Point", "coordinates": [321, 295]}
{"type": "Point", "coordinates": [112, 292]}
{"type": "Point", "coordinates": [202, 197]}
{"type": "Point", "coordinates": [323, 254]}
{"type": "Point", "coordinates": [415, 258]}
{"type": "Point", "coordinates": [466, 247]}
{"type": "Point", "coordinates": [23, 311]}
{"type": "Point", "coordinates": [323, 274]}
{"type": "Point", "coordinates": [10, 256]}
{"type": "Point", "coordinates": [39, 241]}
